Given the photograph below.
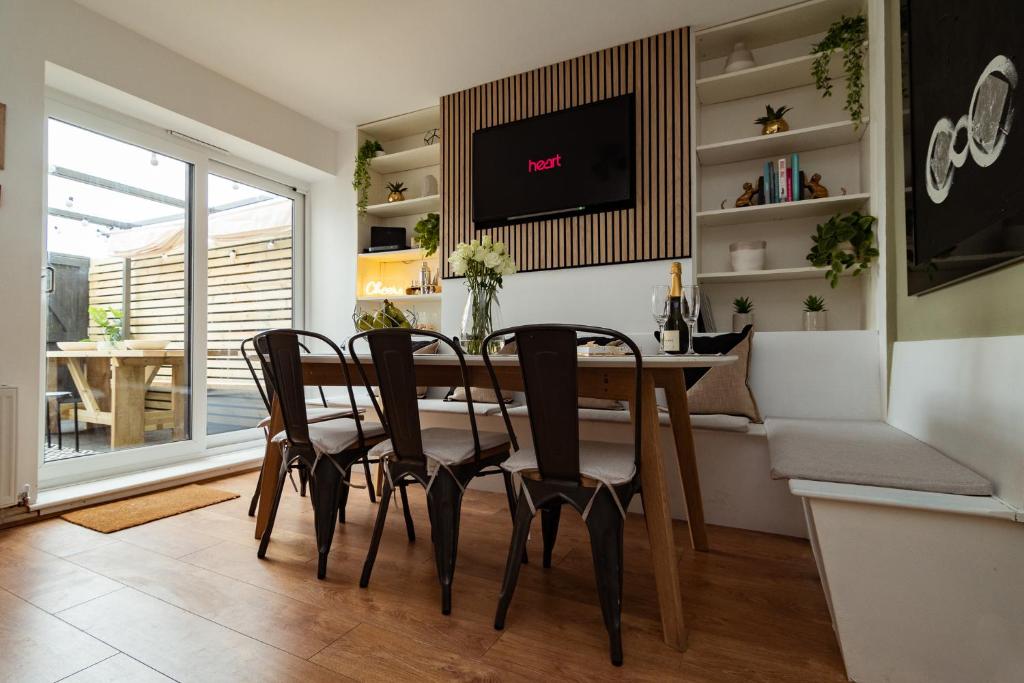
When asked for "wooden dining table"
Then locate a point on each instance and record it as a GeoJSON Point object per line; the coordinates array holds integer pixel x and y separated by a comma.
{"type": "Point", "coordinates": [608, 377]}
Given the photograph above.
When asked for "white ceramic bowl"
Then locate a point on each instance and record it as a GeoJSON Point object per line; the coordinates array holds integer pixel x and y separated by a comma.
{"type": "Point", "coordinates": [77, 346]}
{"type": "Point", "coordinates": [747, 256]}
{"type": "Point", "coordinates": [145, 344]}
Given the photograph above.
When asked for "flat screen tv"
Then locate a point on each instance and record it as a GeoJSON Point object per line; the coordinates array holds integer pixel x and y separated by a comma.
{"type": "Point", "coordinates": [569, 162]}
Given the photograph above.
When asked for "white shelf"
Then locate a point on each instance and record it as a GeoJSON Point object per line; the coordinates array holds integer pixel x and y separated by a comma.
{"type": "Point", "coordinates": [763, 147]}
{"type": "Point", "coordinates": [407, 207]}
{"type": "Point", "coordinates": [784, 211]}
{"type": "Point", "coordinates": [778, 26]}
{"type": "Point", "coordinates": [767, 78]}
{"type": "Point", "coordinates": [417, 157]}
{"type": "Point", "coordinates": [800, 273]}
{"type": "Point", "coordinates": [403, 125]}
{"type": "Point", "coordinates": [398, 256]}
{"type": "Point", "coordinates": [404, 298]}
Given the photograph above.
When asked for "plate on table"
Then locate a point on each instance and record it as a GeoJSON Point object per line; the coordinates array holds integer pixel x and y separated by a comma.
{"type": "Point", "coordinates": [76, 345]}
{"type": "Point", "coordinates": [145, 345]}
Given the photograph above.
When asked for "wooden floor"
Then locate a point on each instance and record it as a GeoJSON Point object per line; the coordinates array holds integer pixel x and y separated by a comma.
{"type": "Point", "coordinates": [186, 599]}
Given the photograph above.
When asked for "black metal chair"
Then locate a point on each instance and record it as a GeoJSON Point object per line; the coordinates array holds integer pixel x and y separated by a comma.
{"type": "Point", "coordinates": [597, 479]}
{"type": "Point", "coordinates": [59, 399]}
{"type": "Point", "coordinates": [442, 460]}
{"type": "Point", "coordinates": [313, 415]}
{"type": "Point", "coordinates": [327, 450]}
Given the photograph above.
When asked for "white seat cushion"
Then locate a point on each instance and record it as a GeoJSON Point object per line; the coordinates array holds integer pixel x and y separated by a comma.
{"type": "Point", "coordinates": [333, 437]}
{"type": "Point", "coordinates": [865, 452]}
{"type": "Point", "coordinates": [611, 463]}
{"type": "Point", "coordinates": [721, 423]}
{"type": "Point", "coordinates": [439, 405]}
{"type": "Point", "coordinates": [447, 446]}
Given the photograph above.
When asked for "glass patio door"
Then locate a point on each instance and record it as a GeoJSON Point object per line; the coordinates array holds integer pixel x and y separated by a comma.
{"type": "Point", "coordinates": [118, 296]}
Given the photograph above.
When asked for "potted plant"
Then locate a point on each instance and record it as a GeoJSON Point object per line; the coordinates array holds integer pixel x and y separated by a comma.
{"type": "Point", "coordinates": [849, 35]}
{"type": "Point", "coordinates": [815, 314]}
{"type": "Point", "coordinates": [743, 313]}
{"type": "Point", "coordinates": [772, 122]}
{"type": "Point", "coordinates": [844, 242]}
{"type": "Point", "coordinates": [484, 263]}
{"type": "Point", "coordinates": [427, 233]}
{"type": "Point", "coordinates": [111, 321]}
{"type": "Point", "coordinates": [396, 192]}
{"type": "Point", "coordinates": [361, 174]}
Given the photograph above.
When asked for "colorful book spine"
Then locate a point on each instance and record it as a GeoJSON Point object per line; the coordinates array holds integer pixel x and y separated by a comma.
{"type": "Point", "coordinates": [783, 187]}
{"type": "Point", "coordinates": [769, 185]}
{"type": "Point", "coordinates": [789, 185]}
{"type": "Point", "coordinates": [795, 183]}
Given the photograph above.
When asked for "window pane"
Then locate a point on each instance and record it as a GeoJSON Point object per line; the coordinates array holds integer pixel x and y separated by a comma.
{"type": "Point", "coordinates": [249, 276]}
{"type": "Point", "coordinates": [117, 334]}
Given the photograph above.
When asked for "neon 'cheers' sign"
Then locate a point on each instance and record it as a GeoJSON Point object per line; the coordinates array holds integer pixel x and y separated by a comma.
{"type": "Point", "coordinates": [544, 164]}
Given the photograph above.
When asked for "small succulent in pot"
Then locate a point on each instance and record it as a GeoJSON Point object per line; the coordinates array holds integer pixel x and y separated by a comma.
{"type": "Point", "coordinates": [772, 121]}
{"type": "Point", "coordinates": [396, 191]}
{"type": "Point", "coordinates": [743, 313]}
{"type": "Point", "coordinates": [815, 313]}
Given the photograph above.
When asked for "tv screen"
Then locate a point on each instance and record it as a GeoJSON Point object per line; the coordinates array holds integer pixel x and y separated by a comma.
{"type": "Point", "coordinates": [569, 162]}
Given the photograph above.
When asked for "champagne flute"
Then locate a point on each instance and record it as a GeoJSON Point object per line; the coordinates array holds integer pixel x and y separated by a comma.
{"type": "Point", "coordinates": [691, 310]}
{"type": "Point", "coordinates": [659, 310]}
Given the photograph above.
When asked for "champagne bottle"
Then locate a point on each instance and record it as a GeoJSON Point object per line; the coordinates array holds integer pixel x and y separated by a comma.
{"type": "Point", "coordinates": [675, 334]}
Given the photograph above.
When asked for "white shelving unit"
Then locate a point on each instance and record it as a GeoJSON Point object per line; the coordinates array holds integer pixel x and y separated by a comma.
{"type": "Point", "coordinates": [727, 155]}
{"type": "Point", "coordinates": [409, 160]}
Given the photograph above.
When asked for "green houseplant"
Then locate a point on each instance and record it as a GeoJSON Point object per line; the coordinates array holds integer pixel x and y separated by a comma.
{"type": "Point", "coordinates": [815, 313]}
{"type": "Point", "coordinates": [110, 320]}
{"type": "Point", "coordinates": [427, 233]}
{"type": "Point", "coordinates": [361, 173]}
{"type": "Point", "coordinates": [844, 242]}
{"type": "Point", "coordinates": [848, 34]}
{"type": "Point", "coordinates": [743, 313]}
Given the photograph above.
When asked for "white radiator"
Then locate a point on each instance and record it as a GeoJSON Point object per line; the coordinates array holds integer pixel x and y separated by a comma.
{"type": "Point", "coordinates": [8, 445]}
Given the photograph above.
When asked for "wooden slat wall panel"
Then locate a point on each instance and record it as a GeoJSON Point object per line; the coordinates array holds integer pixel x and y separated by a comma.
{"type": "Point", "coordinates": [656, 69]}
{"type": "Point", "coordinates": [248, 293]}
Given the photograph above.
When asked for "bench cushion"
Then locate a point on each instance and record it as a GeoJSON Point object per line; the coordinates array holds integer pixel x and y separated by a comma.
{"type": "Point", "coordinates": [865, 452]}
{"type": "Point", "coordinates": [724, 423]}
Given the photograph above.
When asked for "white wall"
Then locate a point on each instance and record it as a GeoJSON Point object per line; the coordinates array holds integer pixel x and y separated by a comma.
{"type": "Point", "coordinates": [64, 33]}
{"type": "Point", "coordinates": [617, 296]}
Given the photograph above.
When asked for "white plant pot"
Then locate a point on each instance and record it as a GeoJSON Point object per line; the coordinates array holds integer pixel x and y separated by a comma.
{"type": "Point", "coordinates": [741, 58]}
{"type": "Point", "coordinates": [741, 320]}
{"type": "Point", "coordinates": [747, 256]}
{"type": "Point", "coordinates": [816, 321]}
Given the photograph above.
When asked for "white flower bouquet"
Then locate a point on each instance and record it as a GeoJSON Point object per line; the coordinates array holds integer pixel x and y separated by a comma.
{"type": "Point", "coordinates": [484, 263]}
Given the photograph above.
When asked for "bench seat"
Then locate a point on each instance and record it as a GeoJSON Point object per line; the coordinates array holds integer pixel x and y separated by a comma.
{"type": "Point", "coordinates": [725, 423]}
{"type": "Point", "coordinates": [865, 452]}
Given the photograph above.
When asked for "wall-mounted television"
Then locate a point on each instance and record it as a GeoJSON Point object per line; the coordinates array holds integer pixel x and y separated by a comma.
{"type": "Point", "coordinates": [569, 162]}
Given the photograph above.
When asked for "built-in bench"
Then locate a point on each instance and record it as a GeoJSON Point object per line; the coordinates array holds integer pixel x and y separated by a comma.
{"type": "Point", "coordinates": [914, 521]}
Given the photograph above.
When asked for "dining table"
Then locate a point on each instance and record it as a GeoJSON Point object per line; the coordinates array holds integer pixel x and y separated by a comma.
{"type": "Point", "coordinates": [607, 377]}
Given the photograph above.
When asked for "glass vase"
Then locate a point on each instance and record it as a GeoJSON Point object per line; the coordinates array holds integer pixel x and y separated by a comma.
{"type": "Point", "coordinates": [480, 317]}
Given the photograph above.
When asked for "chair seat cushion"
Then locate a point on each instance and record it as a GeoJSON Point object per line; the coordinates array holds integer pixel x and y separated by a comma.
{"type": "Point", "coordinates": [718, 423]}
{"type": "Point", "coordinates": [316, 414]}
{"type": "Point", "coordinates": [335, 436]}
{"type": "Point", "coordinates": [447, 446]}
{"type": "Point", "coordinates": [611, 463]}
{"type": "Point", "coordinates": [865, 452]}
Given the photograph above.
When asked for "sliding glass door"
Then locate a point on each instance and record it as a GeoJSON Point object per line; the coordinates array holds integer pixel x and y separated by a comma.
{"type": "Point", "coordinates": [118, 295]}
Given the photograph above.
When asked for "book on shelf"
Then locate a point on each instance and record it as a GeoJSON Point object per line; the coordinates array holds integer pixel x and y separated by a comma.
{"type": "Point", "coordinates": [783, 187]}
{"type": "Point", "coordinates": [795, 178]}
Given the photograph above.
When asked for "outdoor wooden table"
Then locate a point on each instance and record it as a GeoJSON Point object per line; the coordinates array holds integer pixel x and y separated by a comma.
{"type": "Point", "coordinates": [128, 374]}
{"type": "Point", "coordinates": [597, 377]}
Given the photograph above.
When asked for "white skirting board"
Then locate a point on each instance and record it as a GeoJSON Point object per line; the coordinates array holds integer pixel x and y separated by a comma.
{"type": "Point", "coordinates": [921, 594]}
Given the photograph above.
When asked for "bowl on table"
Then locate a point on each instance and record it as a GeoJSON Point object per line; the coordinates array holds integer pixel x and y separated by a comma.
{"type": "Point", "coordinates": [76, 345]}
{"type": "Point", "coordinates": [145, 345]}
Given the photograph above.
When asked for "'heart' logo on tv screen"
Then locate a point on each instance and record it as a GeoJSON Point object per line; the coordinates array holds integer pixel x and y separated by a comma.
{"type": "Point", "coordinates": [544, 164]}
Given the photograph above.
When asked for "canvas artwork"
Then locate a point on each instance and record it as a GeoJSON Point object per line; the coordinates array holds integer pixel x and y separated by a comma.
{"type": "Point", "coordinates": [964, 153]}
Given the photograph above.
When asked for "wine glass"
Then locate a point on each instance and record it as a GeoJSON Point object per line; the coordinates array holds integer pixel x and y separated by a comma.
{"type": "Point", "coordinates": [691, 309]}
{"type": "Point", "coordinates": [659, 310]}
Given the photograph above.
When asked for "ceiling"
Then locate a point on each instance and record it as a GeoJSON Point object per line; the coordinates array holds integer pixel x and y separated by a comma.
{"type": "Point", "coordinates": [342, 62]}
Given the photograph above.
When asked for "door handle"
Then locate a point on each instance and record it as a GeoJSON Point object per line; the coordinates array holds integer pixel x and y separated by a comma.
{"type": "Point", "coordinates": [51, 279]}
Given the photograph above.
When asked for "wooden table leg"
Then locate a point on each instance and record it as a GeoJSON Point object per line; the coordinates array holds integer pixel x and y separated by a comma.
{"type": "Point", "coordinates": [127, 404]}
{"type": "Point", "coordinates": [659, 521]}
{"type": "Point", "coordinates": [179, 387]}
{"type": "Point", "coordinates": [675, 394]}
{"type": "Point", "coordinates": [271, 467]}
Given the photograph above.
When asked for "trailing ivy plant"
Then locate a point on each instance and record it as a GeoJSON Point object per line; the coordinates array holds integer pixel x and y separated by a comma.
{"type": "Point", "coordinates": [427, 233]}
{"type": "Point", "coordinates": [847, 34]}
{"type": "Point", "coordinates": [361, 174]}
{"type": "Point", "coordinates": [844, 242]}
